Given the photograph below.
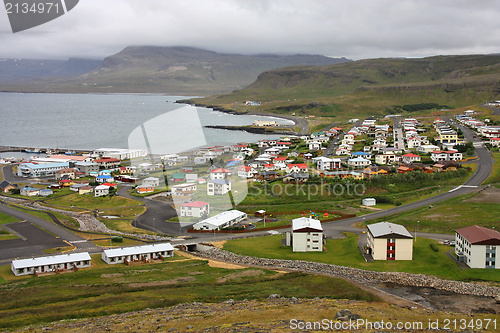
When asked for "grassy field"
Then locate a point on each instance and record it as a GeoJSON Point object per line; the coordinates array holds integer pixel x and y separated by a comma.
{"type": "Point", "coordinates": [495, 173]}
{"type": "Point", "coordinates": [6, 219]}
{"type": "Point", "coordinates": [109, 289]}
{"type": "Point", "coordinates": [345, 252]}
{"type": "Point", "coordinates": [482, 209]}
{"type": "Point", "coordinates": [91, 202]}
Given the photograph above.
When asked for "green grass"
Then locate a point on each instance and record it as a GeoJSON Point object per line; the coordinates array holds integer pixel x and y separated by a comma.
{"type": "Point", "coordinates": [495, 173]}
{"type": "Point", "coordinates": [90, 202]}
{"type": "Point", "coordinates": [6, 219]}
{"type": "Point", "coordinates": [447, 216]}
{"type": "Point", "coordinates": [111, 289]}
{"type": "Point", "coordinates": [345, 252]}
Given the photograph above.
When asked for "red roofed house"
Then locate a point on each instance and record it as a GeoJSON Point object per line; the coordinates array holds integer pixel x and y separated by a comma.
{"type": "Point", "coordinates": [299, 168]}
{"type": "Point", "coordinates": [478, 247]}
{"type": "Point", "coordinates": [495, 142]}
{"type": "Point", "coordinates": [220, 173]}
{"type": "Point", "coordinates": [246, 171]}
{"type": "Point", "coordinates": [107, 162]}
{"type": "Point", "coordinates": [195, 209]}
{"type": "Point", "coordinates": [446, 155]}
{"type": "Point", "coordinates": [410, 158]}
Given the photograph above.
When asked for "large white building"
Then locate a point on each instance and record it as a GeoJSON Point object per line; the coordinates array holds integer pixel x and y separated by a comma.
{"type": "Point", "coordinates": [306, 236]}
{"type": "Point", "coordinates": [119, 153]}
{"type": "Point", "coordinates": [389, 241]}
{"type": "Point", "coordinates": [58, 263]}
{"type": "Point", "coordinates": [325, 163]}
{"type": "Point", "coordinates": [222, 220]}
{"type": "Point", "coordinates": [218, 186]}
{"type": "Point", "coordinates": [137, 253]}
{"type": "Point", "coordinates": [40, 170]}
{"type": "Point", "coordinates": [478, 246]}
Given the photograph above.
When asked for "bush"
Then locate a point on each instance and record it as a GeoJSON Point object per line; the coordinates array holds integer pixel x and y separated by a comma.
{"type": "Point", "coordinates": [434, 247]}
{"type": "Point", "coordinates": [117, 239]}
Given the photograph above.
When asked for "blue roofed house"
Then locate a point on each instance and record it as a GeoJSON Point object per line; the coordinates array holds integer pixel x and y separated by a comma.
{"type": "Point", "coordinates": [362, 154]}
{"type": "Point", "coordinates": [104, 179]}
{"type": "Point", "coordinates": [29, 191]}
{"type": "Point", "coordinates": [40, 170]}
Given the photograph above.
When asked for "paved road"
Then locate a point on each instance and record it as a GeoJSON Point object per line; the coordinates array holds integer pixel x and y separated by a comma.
{"type": "Point", "coordinates": [398, 134]}
{"type": "Point", "coordinates": [496, 111]}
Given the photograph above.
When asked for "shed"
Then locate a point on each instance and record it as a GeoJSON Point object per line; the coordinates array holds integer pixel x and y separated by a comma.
{"type": "Point", "coordinates": [369, 202]}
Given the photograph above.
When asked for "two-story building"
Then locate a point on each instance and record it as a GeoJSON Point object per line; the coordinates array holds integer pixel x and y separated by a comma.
{"type": "Point", "coordinates": [389, 241]}
{"type": "Point", "coordinates": [478, 247]}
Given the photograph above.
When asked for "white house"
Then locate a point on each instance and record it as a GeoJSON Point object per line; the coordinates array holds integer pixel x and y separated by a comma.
{"type": "Point", "coordinates": [478, 247]}
{"type": "Point", "coordinates": [222, 220]}
{"type": "Point", "coordinates": [369, 202]}
{"type": "Point", "coordinates": [427, 148]}
{"type": "Point", "coordinates": [325, 163]}
{"type": "Point", "coordinates": [300, 167]}
{"type": "Point", "coordinates": [315, 145]}
{"type": "Point", "coordinates": [151, 181]}
{"type": "Point", "coordinates": [306, 236]}
{"type": "Point", "coordinates": [101, 190]}
{"type": "Point", "coordinates": [218, 186]}
{"type": "Point", "coordinates": [58, 263]}
{"type": "Point", "coordinates": [184, 189]}
{"type": "Point", "coordinates": [389, 241]}
{"type": "Point", "coordinates": [195, 209]}
{"type": "Point", "coordinates": [388, 157]}
{"type": "Point", "coordinates": [246, 171]}
{"type": "Point", "coordinates": [137, 253]}
{"type": "Point", "coordinates": [40, 170]}
{"type": "Point", "coordinates": [410, 158]}
{"type": "Point", "coordinates": [220, 173]}
{"type": "Point", "coordinates": [446, 155]}
{"type": "Point", "coordinates": [358, 162]}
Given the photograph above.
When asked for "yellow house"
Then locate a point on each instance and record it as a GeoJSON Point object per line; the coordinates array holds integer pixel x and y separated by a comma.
{"type": "Point", "coordinates": [389, 241]}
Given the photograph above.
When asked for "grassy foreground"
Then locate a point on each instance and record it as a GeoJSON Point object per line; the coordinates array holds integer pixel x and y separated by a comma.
{"type": "Point", "coordinates": [345, 252]}
{"type": "Point", "coordinates": [111, 289]}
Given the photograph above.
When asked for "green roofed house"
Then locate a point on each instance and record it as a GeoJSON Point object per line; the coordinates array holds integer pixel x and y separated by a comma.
{"type": "Point", "coordinates": [178, 177]}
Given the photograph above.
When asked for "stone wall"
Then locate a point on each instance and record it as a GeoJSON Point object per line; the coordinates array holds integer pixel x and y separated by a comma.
{"type": "Point", "coordinates": [355, 274]}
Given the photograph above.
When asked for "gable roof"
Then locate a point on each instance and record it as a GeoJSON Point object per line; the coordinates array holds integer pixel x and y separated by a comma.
{"type": "Point", "coordinates": [305, 224]}
{"type": "Point", "coordinates": [477, 235]}
{"type": "Point", "coordinates": [388, 230]}
{"type": "Point", "coordinates": [197, 204]}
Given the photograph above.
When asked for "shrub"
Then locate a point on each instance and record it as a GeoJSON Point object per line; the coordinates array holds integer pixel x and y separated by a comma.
{"type": "Point", "coordinates": [117, 239]}
{"type": "Point", "coordinates": [434, 247]}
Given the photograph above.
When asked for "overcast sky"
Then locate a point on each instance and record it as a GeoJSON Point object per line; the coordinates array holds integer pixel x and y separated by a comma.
{"type": "Point", "coordinates": [354, 29]}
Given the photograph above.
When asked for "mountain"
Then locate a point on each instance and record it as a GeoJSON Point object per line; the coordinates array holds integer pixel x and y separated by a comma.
{"type": "Point", "coordinates": [370, 86]}
{"type": "Point", "coordinates": [14, 70]}
{"type": "Point", "coordinates": [172, 70]}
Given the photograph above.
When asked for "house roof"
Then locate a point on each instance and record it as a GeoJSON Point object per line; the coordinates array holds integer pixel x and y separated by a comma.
{"type": "Point", "coordinates": [410, 155]}
{"type": "Point", "coordinates": [5, 184]}
{"type": "Point", "coordinates": [127, 251]}
{"type": "Point", "coordinates": [477, 235]}
{"type": "Point", "coordinates": [388, 230]}
{"type": "Point", "coordinates": [305, 224]}
{"type": "Point", "coordinates": [445, 152]}
{"type": "Point", "coordinates": [219, 181]}
{"type": "Point", "coordinates": [50, 260]}
{"type": "Point", "coordinates": [299, 165]}
{"type": "Point", "coordinates": [245, 168]}
{"type": "Point", "coordinates": [220, 170]}
{"type": "Point", "coordinates": [222, 218]}
{"type": "Point", "coordinates": [197, 204]}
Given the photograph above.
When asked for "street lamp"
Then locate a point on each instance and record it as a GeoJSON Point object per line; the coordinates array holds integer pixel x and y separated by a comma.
{"type": "Point", "coordinates": [416, 228]}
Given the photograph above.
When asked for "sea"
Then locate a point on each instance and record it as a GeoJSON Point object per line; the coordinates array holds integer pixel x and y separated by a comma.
{"type": "Point", "coordinates": [133, 121]}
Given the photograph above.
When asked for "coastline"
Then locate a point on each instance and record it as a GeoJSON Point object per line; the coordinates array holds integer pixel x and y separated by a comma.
{"type": "Point", "coordinates": [299, 122]}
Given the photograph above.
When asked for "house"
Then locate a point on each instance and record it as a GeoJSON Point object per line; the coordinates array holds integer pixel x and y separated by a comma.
{"type": "Point", "coordinates": [141, 189]}
{"type": "Point", "coordinates": [388, 157]}
{"type": "Point", "coordinates": [125, 170]}
{"type": "Point", "coordinates": [265, 175]}
{"type": "Point", "coordinates": [358, 162]}
{"type": "Point", "coordinates": [427, 148]}
{"type": "Point", "coordinates": [369, 202]}
{"type": "Point", "coordinates": [220, 221]}
{"type": "Point", "coordinates": [362, 154]}
{"type": "Point", "coordinates": [195, 209]}
{"type": "Point", "coordinates": [56, 264]}
{"type": "Point", "coordinates": [200, 160]}
{"type": "Point", "coordinates": [45, 192]}
{"type": "Point", "coordinates": [246, 171]}
{"type": "Point", "coordinates": [104, 179]}
{"type": "Point", "coordinates": [40, 170]}
{"type": "Point", "coordinates": [218, 186]}
{"type": "Point", "coordinates": [478, 247]}
{"type": "Point", "coordinates": [296, 177]}
{"type": "Point", "coordinates": [101, 191]}
{"type": "Point", "coordinates": [184, 189]}
{"type": "Point", "coordinates": [178, 177]}
{"type": "Point", "coordinates": [343, 174]}
{"type": "Point", "coordinates": [446, 155]}
{"type": "Point", "coordinates": [108, 162]}
{"type": "Point", "coordinates": [85, 189]}
{"type": "Point", "coordinates": [66, 173]}
{"type": "Point", "coordinates": [306, 235]}
{"type": "Point", "coordinates": [191, 177]}
{"type": "Point", "coordinates": [342, 151]}
{"type": "Point", "coordinates": [376, 171]}
{"type": "Point", "coordinates": [403, 169]}
{"type": "Point", "coordinates": [298, 168]}
{"type": "Point", "coordinates": [5, 186]}
{"type": "Point", "coordinates": [315, 145]}
{"type": "Point", "coordinates": [389, 241]}
{"type": "Point", "coordinates": [151, 181]}
{"type": "Point", "coordinates": [220, 173]}
{"type": "Point", "coordinates": [325, 163]}
{"type": "Point", "coordinates": [29, 191]}
{"type": "Point", "coordinates": [137, 253]}
{"type": "Point", "coordinates": [495, 142]}
{"type": "Point", "coordinates": [410, 158]}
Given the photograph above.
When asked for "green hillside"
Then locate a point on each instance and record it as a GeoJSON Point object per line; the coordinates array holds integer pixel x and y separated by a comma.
{"type": "Point", "coordinates": [369, 86]}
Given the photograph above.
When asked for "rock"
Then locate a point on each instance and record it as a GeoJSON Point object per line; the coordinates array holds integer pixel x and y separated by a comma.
{"type": "Point", "coordinates": [354, 316]}
{"type": "Point", "coordinates": [497, 299]}
{"type": "Point", "coordinates": [189, 327]}
{"type": "Point", "coordinates": [229, 301]}
{"type": "Point", "coordinates": [343, 313]}
{"type": "Point", "coordinates": [274, 296]}
{"type": "Point", "coordinates": [173, 329]}
{"type": "Point", "coordinates": [294, 300]}
{"type": "Point", "coordinates": [343, 318]}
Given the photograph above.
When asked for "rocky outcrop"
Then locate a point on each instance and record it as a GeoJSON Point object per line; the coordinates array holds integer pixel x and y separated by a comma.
{"type": "Point", "coordinates": [356, 274]}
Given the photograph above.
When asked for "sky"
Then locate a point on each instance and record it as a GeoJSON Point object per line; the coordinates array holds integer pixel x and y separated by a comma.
{"type": "Point", "coordinates": [355, 29]}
